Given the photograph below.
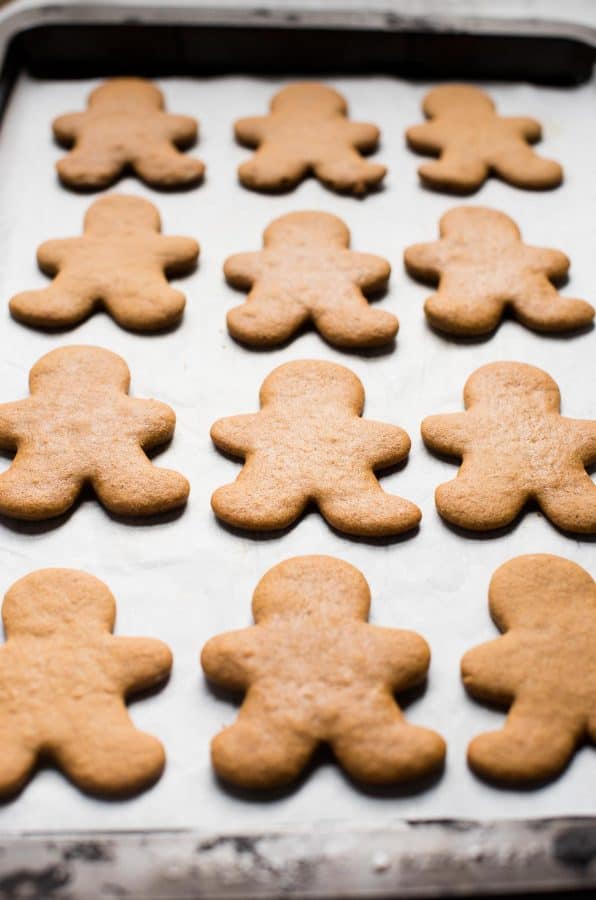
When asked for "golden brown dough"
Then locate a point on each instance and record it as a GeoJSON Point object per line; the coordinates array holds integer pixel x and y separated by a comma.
{"type": "Point", "coordinates": [472, 141]}
{"type": "Point", "coordinates": [315, 671]}
{"type": "Point", "coordinates": [64, 680]}
{"type": "Point", "coordinates": [309, 444]}
{"type": "Point", "coordinates": [125, 126]}
{"type": "Point", "coordinates": [543, 668]}
{"type": "Point", "coordinates": [306, 273]}
{"type": "Point", "coordinates": [122, 235]}
{"type": "Point", "coordinates": [308, 131]}
{"type": "Point", "coordinates": [482, 267]}
{"type": "Point", "coordinates": [515, 447]}
{"type": "Point", "coordinates": [79, 427]}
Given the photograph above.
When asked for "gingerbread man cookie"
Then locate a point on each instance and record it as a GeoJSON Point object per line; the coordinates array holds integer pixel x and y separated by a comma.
{"type": "Point", "coordinates": [121, 235]}
{"type": "Point", "coordinates": [306, 273]}
{"type": "Point", "coordinates": [309, 444]}
{"type": "Point", "coordinates": [64, 679]}
{"type": "Point", "coordinates": [543, 667]}
{"type": "Point", "coordinates": [515, 447]}
{"type": "Point", "coordinates": [315, 671]}
{"type": "Point", "coordinates": [79, 427]}
{"type": "Point", "coordinates": [308, 131]}
{"type": "Point", "coordinates": [482, 268]}
{"type": "Point", "coordinates": [125, 127]}
{"type": "Point", "coordinates": [472, 141]}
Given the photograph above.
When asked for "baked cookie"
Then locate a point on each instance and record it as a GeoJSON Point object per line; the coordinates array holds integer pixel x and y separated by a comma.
{"type": "Point", "coordinates": [64, 679]}
{"type": "Point", "coordinates": [472, 141]}
{"type": "Point", "coordinates": [306, 273]}
{"type": "Point", "coordinates": [79, 427]}
{"type": "Point", "coordinates": [544, 668]}
{"type": "Point", "coordinates": [121, 235]}
{"type": "Point", "coordinates": [309, 444]}
{"type": "Point", "coordinates": [125, 127]}
{"type": "Point", "coordinates": [515, 447]}
{"type": "Point", "coordinates": [308, 131]}
{"type": "Point", "coordinates": [315, 671]}
{"type": "Point", "coordinates": [482, 268]}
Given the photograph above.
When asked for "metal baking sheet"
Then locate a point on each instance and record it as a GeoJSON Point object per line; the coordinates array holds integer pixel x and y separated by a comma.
{"type": "Point", "coordinates": [188, 578]}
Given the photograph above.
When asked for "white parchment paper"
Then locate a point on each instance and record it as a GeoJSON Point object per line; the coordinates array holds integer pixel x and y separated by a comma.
{"type": "Point", "coordinates": [189, 578]}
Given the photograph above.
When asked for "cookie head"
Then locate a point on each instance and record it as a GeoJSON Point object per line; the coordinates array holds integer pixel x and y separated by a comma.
{"type": "Point", "coordinates": [309, 100]}
{"type": "Point", "coordinates": [53, 601]}
{"type": "Point", "coordinates": [307, 229]}
{"type": "Point", "coordinates": [458, 100]}
{"type": "Point", "coordinates": [121, 214]}
{"type": "Point", "coordinates": [126, 95]}
{"type": "Point", "coordinates": [536, 589]}
{"type": "Point", "coordinates": [473, 223]}
{"type": "Point", "coordinates": [66, 367]}
{"type": "Point", "coordinates": [305, 586]}
{"type": "Point", "coordinates": [313, 381]}
{"type": "Point", "coordinates": [512, 382]}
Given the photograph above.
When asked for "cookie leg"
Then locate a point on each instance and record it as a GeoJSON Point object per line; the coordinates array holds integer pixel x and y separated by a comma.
{"type": "Point", "coordinates": [106, 755]}
{"type": "Point", "coordinates": [458, 308]}
{"type": "Point", "coordinates": [90, 167]}
{"type": "Point", "coordinates": [272, 169]}
{"type": "Point", "coordinates": [455, 171]}
{"type": "Point", "coordinates": [543, 309]}
{"type": "Point", "coordinates": [572, 505]}
{"type": "Point", "coordinates": [349, 172]}
{"type": "Point", "coordinates": [523, 168]}
{"type": "Point", "coordinates": [62, 304]}
{"type": "Point", "coordinates": [267, 319]}
{"type": "Point", "coordinates": [469, 502]}
{"type": "Point", "coordinates": [36, 489]}
{"type": "Point", "coordinates": [382, 748]}
{"type": "Point", "coordinates": [258, 501]}
{"type": "Point", "coordinates": [531, 747]}
{"type": "Point", "coordinates": [162, 165]}
{"type": "Point", "coordinates": [353, 323]}
{"type": "Point", "coordinates": [145, 307]}
{"type": "Point", "coordinates": [17, 761]}
{"type": "Point", "coordinates": [261, 750]}
{"type": "Point", "coordinates": [363, 508]}
{"type": "Point", "coordinates": [130, 485]}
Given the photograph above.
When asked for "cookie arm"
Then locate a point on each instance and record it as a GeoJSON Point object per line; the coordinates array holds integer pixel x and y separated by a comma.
{"type": "Point", "coordinates": [242, 270]}
{"type": "Point", "coordinates": [446, 433]}
{"type": "Point", "coordinates": [585, 434]}
{"type": "Point", "coordinates": [143, 663]}
{"type": "Point", "coordinates": [527, 128]}
{"type": "Point", "coordinates": [385, 444]}
{"type": "Point", "coordinates": [178, 254]}
{"type": "Point", "coordinates": [369, 272]}
{"type": "Point", "coordinates": [67, 128]}
{"type": "Point", "coordinates": [181, 130]}
{"type": "Point", "coordinates": [425, 138]}
{"type": "Point", "coordinates": [236, 434]}
{"type": "Point", "coordinates": [10, 416]}
{"type": "Point", "coordinates": [425, 261]}
{"type": "Point", "coordinates": [363, 135]}
{"type": "Point", "coordinates": [404, 655]}
{"type": "Point", "coordinates": [229, 660]}
{"type": "Point", "coordinates": [53, 255]}
{"type": "Point", "coordinates": [491, 671]}
{"type": "Point", "coordinates": [250, 131]}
